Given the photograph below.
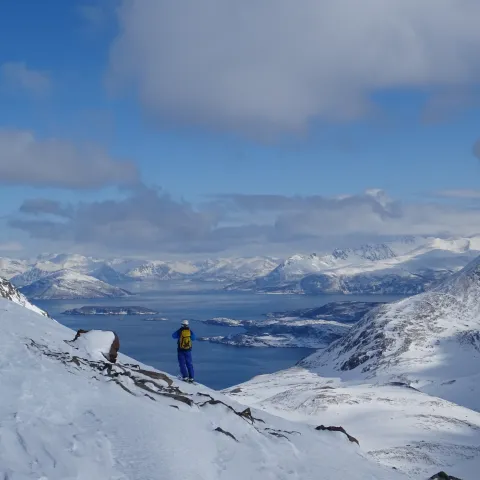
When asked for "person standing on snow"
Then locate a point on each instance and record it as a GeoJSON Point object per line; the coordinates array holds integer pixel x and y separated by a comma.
{"type": "Point", "coordinates": [185, 336]}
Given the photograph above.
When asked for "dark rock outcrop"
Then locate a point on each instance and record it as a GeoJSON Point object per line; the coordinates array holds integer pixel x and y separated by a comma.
{"type": "Point", "coordinates": [338, 429]}
{"type": "Point", "coordinates": [443, 476]}
{"type": "Point", "coordinates": [228, 434]}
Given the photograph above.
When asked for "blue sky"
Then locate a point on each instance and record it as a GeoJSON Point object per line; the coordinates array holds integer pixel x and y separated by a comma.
{"type": "Point", "coordinates": [191, 103]}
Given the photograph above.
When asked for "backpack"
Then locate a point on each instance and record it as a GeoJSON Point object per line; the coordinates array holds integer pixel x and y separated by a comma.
{"type": "Point", "coordinates": [185, 341]}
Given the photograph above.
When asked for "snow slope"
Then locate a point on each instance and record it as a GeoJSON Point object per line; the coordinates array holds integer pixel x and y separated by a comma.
{"type": "Point", "coordinates": [67, 284]}
{"type": "Point", "coordinates": [398, 426]}
{"type": "Point", "coordinates": [431, 341]}
{"type": "Point", "coordinates": [9, 292]}
{"type": "Point", "coordinates": [67, 414]}
{"type": "Point", "coordinates": [407, 375]}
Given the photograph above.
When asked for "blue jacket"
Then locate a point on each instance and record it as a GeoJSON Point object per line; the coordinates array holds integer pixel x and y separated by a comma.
{"type": "Point", "coordinates": [176, 334]}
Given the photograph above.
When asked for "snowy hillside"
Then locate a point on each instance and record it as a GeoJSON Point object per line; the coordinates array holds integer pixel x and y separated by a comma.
{"type": "Point", "coordinates": [9, 292]}
{"type": "Point", "coordinates": [66, 284]}
{"type": "Point", "coordinates": [431, 341]}
{"type": "Point", "coordinates": [401, 427]}
{"type": "Point", "coordinates": [68, 413]}
{"type": "Point", "coordinates": [407, 375]}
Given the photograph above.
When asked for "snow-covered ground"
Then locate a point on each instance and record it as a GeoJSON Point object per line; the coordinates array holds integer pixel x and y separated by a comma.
{"type": "Point", "coordinates": [399, 426]}
{"type": "Point", "coordinates": [407, 376]}
{"type": "Point", "coordinates": [67, 414]}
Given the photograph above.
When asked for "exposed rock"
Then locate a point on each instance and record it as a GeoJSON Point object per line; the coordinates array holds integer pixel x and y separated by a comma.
{"type": "Point", "coordinates": [228, 434]}
{"type": "Point", "coordinates": [245, 414]}
{"type": "Point", "coordinates": [338, 429]}
{"type": "Point", "coordinates": [443, 476]}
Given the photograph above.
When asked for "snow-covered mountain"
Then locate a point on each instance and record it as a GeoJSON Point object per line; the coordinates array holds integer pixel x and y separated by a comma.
{"type": "Point", "coordinates": [398, 268]}
{"type": "Point", "coordinates": [404, 267]}
{"type": "Point", "coordinates": [66, 412]}
{"type": "Point", "coordinates": [9, 267]}
{"type": "Point", "coordinates": [66, 284]}
{"type": "Point", "coordinates": [69, 261]}
{"type": "Point", "coordinates": [9, 292]}
{"type": "Point", "coordinates": [408, 374]}
{"type": "Point", "coordinates": [431, 341]}
{"type": "Point", "coordinates": [33, 274]}
{"type": "Point", "coordinates": [159, 270]}
{"type": "Point", "coordinates": [107, 274]}
{"type": "Point", "coordinates": [235, 269]}
{"type": "Point", "coordinates": [218, 270]}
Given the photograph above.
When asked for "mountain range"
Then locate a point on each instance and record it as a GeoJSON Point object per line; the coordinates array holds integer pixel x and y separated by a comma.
{"type": "Point", "coordinates": [404, 267]}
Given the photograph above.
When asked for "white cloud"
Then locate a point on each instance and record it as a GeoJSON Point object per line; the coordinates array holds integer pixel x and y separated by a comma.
{"type": "Point", "coordinates": [27, 160]}
{"type": "Point", "coordinates": [17, 76]}
{"type": "Point", "coordinates": [149, 221]}
{"type": "Point", "coordinates": [265, 66]}
{"type": "Point", "coordinates": [459, 193]}
{"type": "Point", "coordinates": [11, 247]}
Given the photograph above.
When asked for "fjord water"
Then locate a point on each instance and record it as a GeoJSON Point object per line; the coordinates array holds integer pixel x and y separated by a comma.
{"type": "Point", "coordinates": [217, 366]}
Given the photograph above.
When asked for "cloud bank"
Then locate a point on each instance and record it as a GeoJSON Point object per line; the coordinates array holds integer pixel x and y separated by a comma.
{"type": "Point", "coordinates": [149, 221]}
{"type": "Point", "coordinates": [27, 160]}
{"type": "Point", "coordinates": [263, 67]}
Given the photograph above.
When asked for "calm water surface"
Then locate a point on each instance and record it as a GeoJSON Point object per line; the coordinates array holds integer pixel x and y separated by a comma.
{"type": "Point", "coordinates": [218, 366]}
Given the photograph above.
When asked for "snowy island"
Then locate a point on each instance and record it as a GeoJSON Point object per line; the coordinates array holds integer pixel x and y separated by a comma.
{"type": "Point", "coordinates": [91, 310]}
{"type": "Point", "coordinates": [306, 328]}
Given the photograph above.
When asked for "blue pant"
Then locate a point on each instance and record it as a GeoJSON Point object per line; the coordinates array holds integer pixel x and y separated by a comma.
{"type": "Point", "coordinates": [185, 363]}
